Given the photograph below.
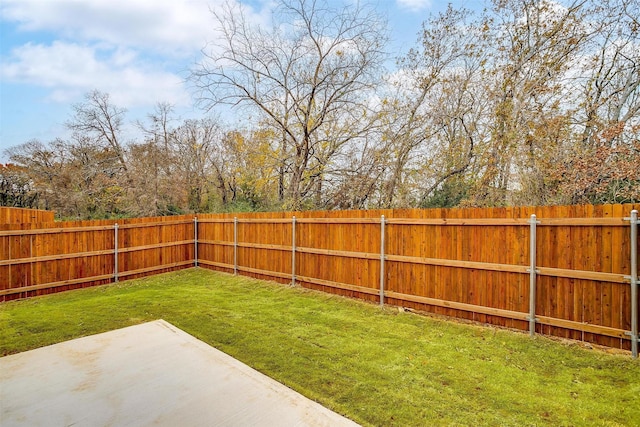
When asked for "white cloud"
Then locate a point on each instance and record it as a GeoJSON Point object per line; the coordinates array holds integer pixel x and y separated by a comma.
{"type": "Point", "coordinates": [129, 49]}
{"type": "Point", "coordinates": [414, 5]}
{"type": "Point", "coordinates": [70, 70]}
{"type": "Point", "coordinates": [177, 27]}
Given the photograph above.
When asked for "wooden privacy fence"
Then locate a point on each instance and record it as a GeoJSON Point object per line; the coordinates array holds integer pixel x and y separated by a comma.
{"type": "Point", "coordinates": [579, 282]}
{"type": "Point", "coordinates": [9, 215]}
{"type": "Point", "coordinates": [52, 257]}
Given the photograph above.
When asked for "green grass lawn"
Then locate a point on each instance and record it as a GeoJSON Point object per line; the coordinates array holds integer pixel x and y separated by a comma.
{"type": "Point", "coordinates": [377, 367]}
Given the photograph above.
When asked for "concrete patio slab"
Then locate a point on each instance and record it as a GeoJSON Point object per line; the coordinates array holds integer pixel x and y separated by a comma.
{"type": "Point", "coordinates": [149, 374]}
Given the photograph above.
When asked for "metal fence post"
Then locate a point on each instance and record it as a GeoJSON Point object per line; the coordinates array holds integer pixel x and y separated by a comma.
{"type": "Point", "coordinates": [633, 278]}
{"type": "Point", "coordinates": [293, 251]}
{"type": "Point", "coordinates": [195, 240]}
{"type": "Point", "coordinates": [235, 245]}
{"type": "Point", "coordinates": [31, 263]}
{"type": "Point", "coordinates": [382, 261]}
{"type": "Point", "coordinates": [115, 253]}
{"type": "Point", "coordinates": [532, 275]}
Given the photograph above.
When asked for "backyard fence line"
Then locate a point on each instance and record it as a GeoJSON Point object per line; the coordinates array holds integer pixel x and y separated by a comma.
{"type": "Point", "coordinates": [533, 315]}
{"type": "Point", "coordinates": [473, 267]}
{"type": "Point", "coordinates": [34, 261]}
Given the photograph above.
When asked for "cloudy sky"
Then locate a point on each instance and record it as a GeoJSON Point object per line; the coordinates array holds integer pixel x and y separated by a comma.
{"type": "Point", "coordinates": [52, 52]}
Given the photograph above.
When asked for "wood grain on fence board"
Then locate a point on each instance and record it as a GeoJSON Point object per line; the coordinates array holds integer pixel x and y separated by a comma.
{"type": "Point", "coordinates": [10, 215]}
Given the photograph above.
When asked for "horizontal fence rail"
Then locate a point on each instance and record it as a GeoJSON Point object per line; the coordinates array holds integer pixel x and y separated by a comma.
{"type": "Point", "coordinates": [563, 271]}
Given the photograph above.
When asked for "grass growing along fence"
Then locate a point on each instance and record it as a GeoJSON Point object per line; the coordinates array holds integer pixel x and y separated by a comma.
{"type": "Point", "coordinates": [376, 366]}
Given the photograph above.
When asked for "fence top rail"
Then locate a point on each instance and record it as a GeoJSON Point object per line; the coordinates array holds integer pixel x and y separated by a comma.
{"type": "Point", "coordinates": [27, 232]}
{"type": "Point", "coordinates": [55, 230]}
{"type": "Point", "coordinates": [265, 220]}
{"type": "Point", "coordinates": [154, 224]}
{"type": "Point", "coordinates": [246, 220]}
{"type": "Point", "coordinates": [510, 221]}
{"type": "Point", "coordinates": [433, 221]}
{"type": "Point", "coordinates": [611, 222]}
{"type": "Point", "coordinates": [458, 221]}
{"type": "Point", "coordinates": [584, 221]}
{"type": "Point", "coordinates": [338, 220]}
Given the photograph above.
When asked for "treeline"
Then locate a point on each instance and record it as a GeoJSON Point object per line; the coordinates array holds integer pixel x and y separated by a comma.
{"type": "Point", "coordinates": [526, 102]}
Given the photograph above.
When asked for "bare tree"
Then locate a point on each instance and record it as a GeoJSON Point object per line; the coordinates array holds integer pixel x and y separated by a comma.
{"type": "Point", "coordinates": [16, 187]}
{"type": "Point", "coordinates": [152, 162]}
{"type": "Point", "coordinates": [44, 165]}
{"type": "Point", "coordinates": [313, 71]}
{"type": "Point", "coordinates": [75, 178]}
{"type": "Point", "coordinates": [535, 45]}
{"type": "Point", "coordinates": [611, 84]}
{"type": "Point", "coordinates": [199, 155]}
{"type": "Point", "coordinates": [100, 121]}
{"type": "Point", "coordinates": [432, 118]}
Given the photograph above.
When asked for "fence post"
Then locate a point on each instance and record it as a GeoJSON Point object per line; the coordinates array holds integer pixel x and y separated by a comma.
{"type": "Point", "coordinates": [195, 240]}
{"type": "Point", "coordinates": [633, 278]}
{"type": "Point", "coordinates": [115, 253]}
{"type": "Point", "coordinates": [293, 251]}
{"type": "Point", "coordinates": [532, 275]}
{"type": "Point", "coordinates": [31, 263]}
{"type": "Point", "coordinates": [382, 261]}
{"type": "Point", "coordinates": [235, 245]}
